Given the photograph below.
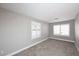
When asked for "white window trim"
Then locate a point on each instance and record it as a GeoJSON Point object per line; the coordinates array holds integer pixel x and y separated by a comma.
{"type": "Point", "coordinates": [60, 30]}
{"type": "Point", "coordinates": [36, 30]}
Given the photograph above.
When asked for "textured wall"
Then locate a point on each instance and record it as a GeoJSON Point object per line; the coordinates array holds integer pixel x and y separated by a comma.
{"type": "Point", "coordinates": [15, 32]}
{"type": "Point", "coordinates": [72, 30]}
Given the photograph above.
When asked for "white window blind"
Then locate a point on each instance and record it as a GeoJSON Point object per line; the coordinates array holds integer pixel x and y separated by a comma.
{"type": "Point", "coordinates": [36, 30]}
{"type": "Point", "coordinates": [61, 29]}
{"type": "Point", "coordinates": [56, 29]}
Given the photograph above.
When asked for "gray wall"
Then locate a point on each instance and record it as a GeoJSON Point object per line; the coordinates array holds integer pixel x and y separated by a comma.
{"type": "Point", "coordinates": [72, 30]}
{"type": "Point", "coordinates": [77, 32]}
{"type": "Point", "coordinates": [15, 32]}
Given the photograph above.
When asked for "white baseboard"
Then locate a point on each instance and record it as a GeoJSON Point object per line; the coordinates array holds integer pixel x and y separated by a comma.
{"type": "Point", "coordinates": [26, 47]}
{"type": "Point", "coordinates": [77, 47]}
{"type": "Point", "coordinates": [62, 39]}
{"type": "Point", "coordinates": [36, 44]}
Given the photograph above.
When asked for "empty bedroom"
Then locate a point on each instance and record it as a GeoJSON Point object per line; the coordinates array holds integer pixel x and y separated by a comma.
{"type": "Point", "coordinates": [39, 29]}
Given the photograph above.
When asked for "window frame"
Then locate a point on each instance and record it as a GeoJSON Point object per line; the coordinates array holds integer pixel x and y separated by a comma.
{"type": "Point", "coordinates": [61, 31]}
{"type": "Point", "coordinates": [36, 30]}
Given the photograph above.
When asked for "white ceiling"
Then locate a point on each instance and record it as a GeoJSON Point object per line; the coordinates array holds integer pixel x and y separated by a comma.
{"type": "Point", "coordinates": [45, 11]}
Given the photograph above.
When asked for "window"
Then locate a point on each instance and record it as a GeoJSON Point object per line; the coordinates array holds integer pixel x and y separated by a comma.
{"type": "Point", "coordinates": [56, 29]}
{"type": "Point", "coordinates": [61, 29]}
{"type": "Point", "coordinates": [65, 29]}
{"type": "Point", "coordinates": [36, 29]}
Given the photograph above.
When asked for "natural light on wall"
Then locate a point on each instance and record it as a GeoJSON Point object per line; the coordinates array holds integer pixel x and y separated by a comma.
{"type": "Point", "coordinates": [61, 29]}
{"type": "Point", "coordinates": [35, 29]}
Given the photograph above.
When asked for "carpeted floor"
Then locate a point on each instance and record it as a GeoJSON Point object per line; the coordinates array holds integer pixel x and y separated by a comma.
{"type": "Point", "coordinates": [51, 47]}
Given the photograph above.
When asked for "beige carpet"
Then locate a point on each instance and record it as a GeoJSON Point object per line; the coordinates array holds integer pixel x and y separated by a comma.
{"type": "Point", "coordinates": [51, 47]}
